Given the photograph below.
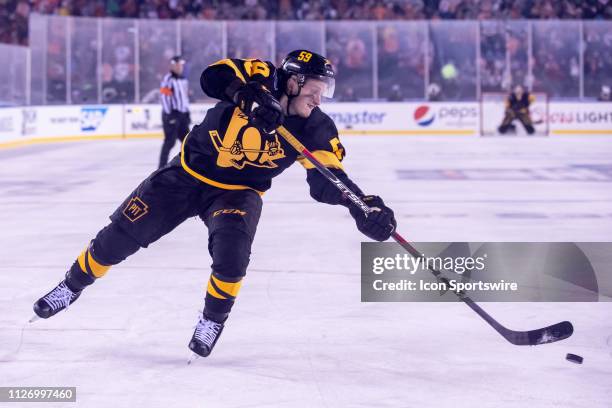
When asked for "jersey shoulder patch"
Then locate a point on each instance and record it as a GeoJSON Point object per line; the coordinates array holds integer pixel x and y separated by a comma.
{"type": "Point", "coordinates": [257, 68]}
{"type": "Point", "coordinates": [322, 133]}
{"type": "Point", "coordinates": [321, 138]}
{"type": "Point", "coordinates": [250, 69]}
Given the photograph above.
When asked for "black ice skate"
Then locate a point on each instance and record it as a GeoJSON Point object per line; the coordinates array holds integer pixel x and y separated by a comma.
{"type": "Point", "coordinates": [55, 301]}
{"type": "Point", "coordinates": [205, 336]}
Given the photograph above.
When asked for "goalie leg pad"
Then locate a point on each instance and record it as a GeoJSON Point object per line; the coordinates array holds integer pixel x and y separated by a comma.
{"type": "Point", "coordinates": [506, 124]}
{"type": "Point", "coordinates": [527, 123]}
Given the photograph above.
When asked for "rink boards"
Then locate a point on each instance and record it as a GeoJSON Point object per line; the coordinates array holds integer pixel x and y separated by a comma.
{"type": "Point", "coordinates": [35, 124]}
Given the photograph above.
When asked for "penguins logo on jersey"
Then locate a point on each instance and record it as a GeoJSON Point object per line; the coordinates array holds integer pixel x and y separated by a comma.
{"type": "Point", "coordinates": [244, 145]}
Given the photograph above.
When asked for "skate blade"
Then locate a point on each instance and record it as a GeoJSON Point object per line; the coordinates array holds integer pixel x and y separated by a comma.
{"type": "Point", "coordinates": [193, 357]}
{"type": "Point", "coordinates": [34, 318]}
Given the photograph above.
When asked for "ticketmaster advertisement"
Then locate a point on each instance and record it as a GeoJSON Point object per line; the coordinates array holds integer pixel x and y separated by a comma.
{"type": "Point", "coordinates": [455, 118]}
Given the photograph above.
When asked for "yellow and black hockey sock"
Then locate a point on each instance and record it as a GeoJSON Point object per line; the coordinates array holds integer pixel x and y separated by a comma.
{"type": "Point", "coordinates": [221, 293]}
{"type": "Point", "coordinates": [85, 270]}
{"type": "Point", "coordinates": [90, 266]}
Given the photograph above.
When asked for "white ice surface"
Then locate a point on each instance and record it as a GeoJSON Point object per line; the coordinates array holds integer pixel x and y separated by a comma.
{"type": "Point", "coordinates": [299, 335]}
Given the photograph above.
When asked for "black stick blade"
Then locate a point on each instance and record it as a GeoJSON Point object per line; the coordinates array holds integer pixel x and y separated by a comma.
{"type": "Point", "coordinates": [550, 334]}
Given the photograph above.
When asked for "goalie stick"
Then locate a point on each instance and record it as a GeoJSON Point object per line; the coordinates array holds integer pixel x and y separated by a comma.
{"type": "Point", "coordinates": [549, 334]}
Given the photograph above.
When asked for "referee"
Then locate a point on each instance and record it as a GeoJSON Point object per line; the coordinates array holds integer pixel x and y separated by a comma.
{"type": "Point", "coordinates": [175, 107]}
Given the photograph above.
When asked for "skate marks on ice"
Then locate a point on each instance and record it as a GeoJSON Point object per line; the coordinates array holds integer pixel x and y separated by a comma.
{"type": "Point", "coordinates": [299, 335]}
{"type": "Point", "coordinates": [12, 339]}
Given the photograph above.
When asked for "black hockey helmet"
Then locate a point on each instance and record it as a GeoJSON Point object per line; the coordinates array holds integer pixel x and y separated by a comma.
{"type": "Point", "coordinates": [307, 64]}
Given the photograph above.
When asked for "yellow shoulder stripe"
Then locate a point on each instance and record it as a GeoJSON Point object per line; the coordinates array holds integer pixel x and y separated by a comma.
{"type": "Point", "coordinates": [328, 159]}
{"type": "Point", "coordinates": [233, 66]}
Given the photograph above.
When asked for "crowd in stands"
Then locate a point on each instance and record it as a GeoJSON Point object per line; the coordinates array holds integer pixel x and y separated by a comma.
{"type": "Point", "coordinates": [14, 13]}
{"type": "Point", "coordinates": [448, 65]}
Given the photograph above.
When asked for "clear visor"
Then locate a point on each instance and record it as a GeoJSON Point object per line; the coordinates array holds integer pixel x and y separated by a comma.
{"type": "Point", "coordinates": [320, 85]}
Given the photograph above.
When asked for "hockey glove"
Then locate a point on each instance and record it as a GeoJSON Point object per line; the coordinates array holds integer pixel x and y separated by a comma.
{"type": "Point", "coordinates": [262, 108]}
{"type": "Point", "coordinates": [378, 224]}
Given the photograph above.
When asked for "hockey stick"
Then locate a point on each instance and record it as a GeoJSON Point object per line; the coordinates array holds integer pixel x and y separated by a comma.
{"type": "Point", "coordinates": [549, 334]}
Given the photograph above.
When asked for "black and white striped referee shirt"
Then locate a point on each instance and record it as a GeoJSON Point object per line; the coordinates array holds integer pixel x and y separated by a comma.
{"type": "Point", "coordinates": [174, 93]}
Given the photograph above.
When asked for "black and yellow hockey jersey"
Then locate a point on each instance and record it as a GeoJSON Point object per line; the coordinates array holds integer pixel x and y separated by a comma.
{"type": "Point", "coordinates": [519, 104]}
{"type": "Point", "coordinates": [226, 152]}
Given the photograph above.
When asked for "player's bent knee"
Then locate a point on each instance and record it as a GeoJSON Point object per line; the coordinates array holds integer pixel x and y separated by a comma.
{"type": "Point", "coordinates": [112, 245]}
{"type": "Point", "coordinates": [230, 250]}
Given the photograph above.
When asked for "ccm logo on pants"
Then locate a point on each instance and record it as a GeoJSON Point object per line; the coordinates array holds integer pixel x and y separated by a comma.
{"type": "Point", "coordinates": [229, 211]}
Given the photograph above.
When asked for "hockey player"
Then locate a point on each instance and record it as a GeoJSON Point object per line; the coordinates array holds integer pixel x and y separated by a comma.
{"type": "Point", "coordinates": [517, 107]}
{"type": "Point", "coordinates": [226, 163]}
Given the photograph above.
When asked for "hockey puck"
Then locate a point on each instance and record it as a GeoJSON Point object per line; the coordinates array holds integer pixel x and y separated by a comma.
{"type": "Point", "coordinates": [574, 358]}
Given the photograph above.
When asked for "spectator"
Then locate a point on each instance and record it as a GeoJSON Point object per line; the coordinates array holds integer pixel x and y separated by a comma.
{"type": "Point", "coordinates": [401, 61]}
{"type": "Point", "coordinates": [556, 59]}
{"type": "Point", "coordinates": [597, 59]}
{"type": "Point", "coordinates": [14, 13]}
{"type": "Point", "coordinates": [552, 64]}
{"type": "Point", "coordinates": [356, 66]}
{"type": "Point", "coordinates": [396, 94]}
{"type": "Point", "coordinates": [348, 95]}
{"type": "Point", "coordinates": [604, 95]}
{"type": "Point", "coordinates": [433, 92]}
